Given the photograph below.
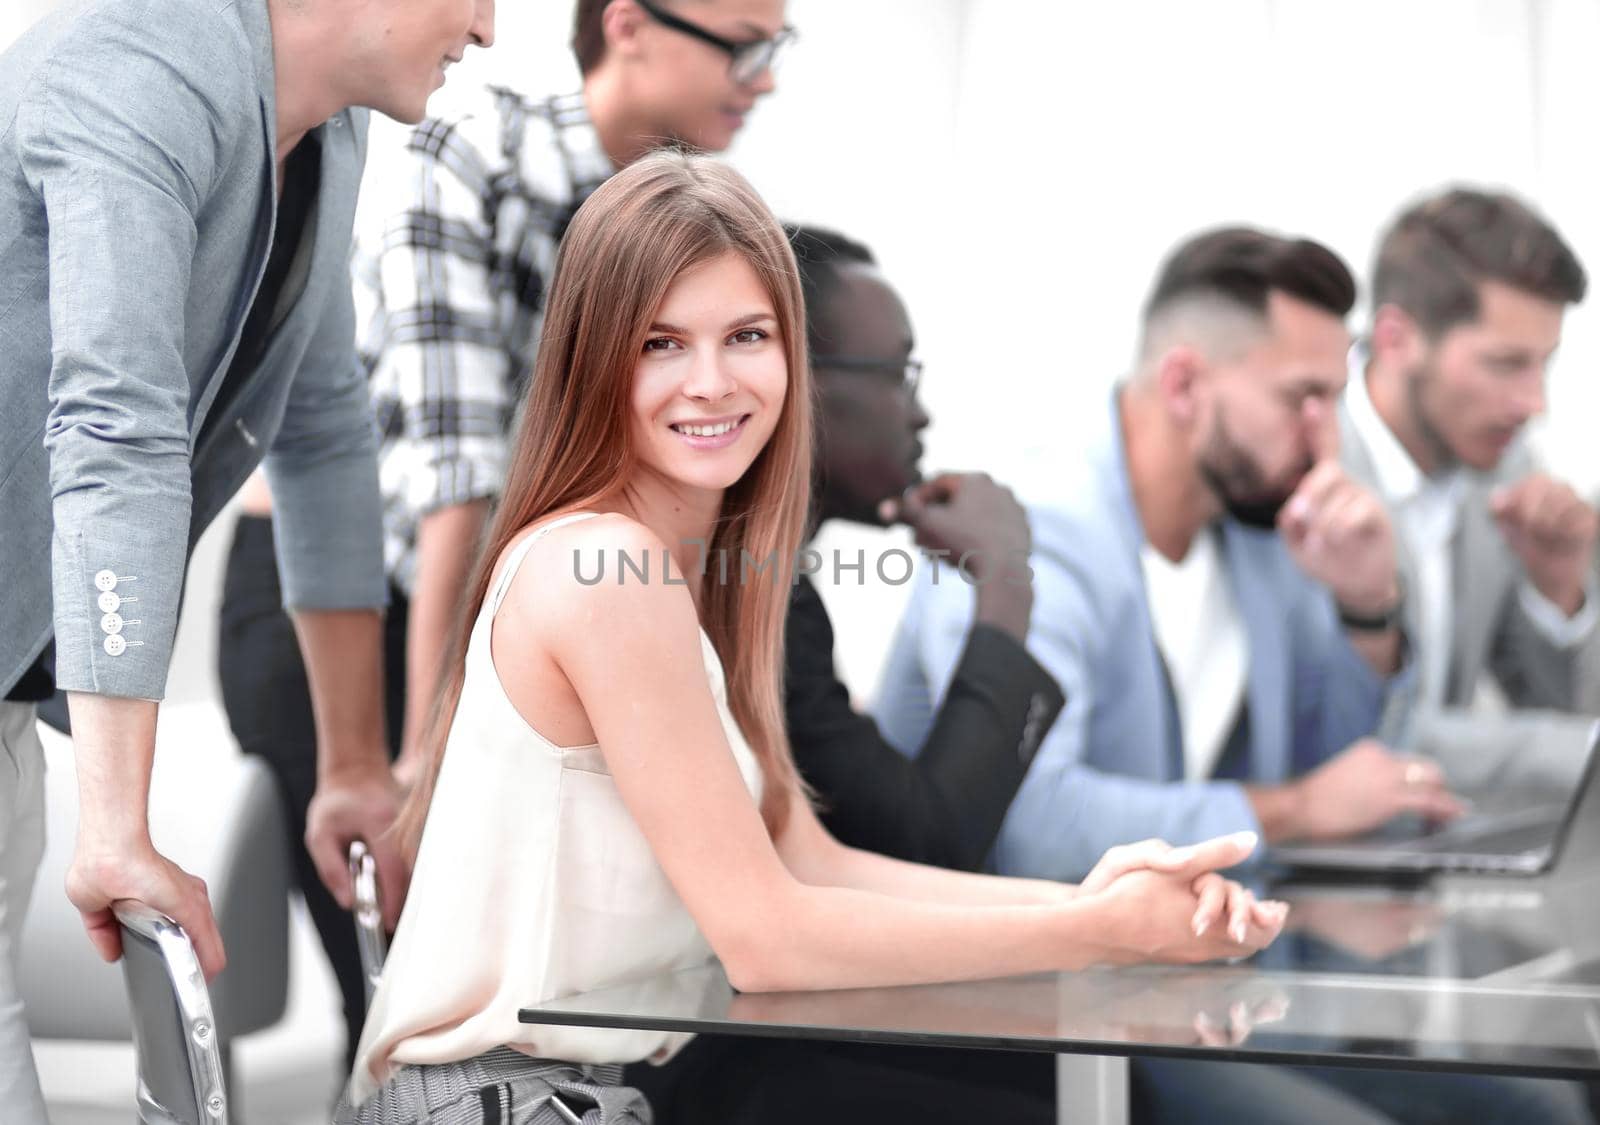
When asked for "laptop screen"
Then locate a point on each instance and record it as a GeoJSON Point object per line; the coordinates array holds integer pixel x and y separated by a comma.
{"type": "Point", "coordinates": [1577, 839]}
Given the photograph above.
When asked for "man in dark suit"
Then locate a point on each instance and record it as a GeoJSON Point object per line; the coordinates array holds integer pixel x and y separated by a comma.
{"type": "Point", "coordinates": [945, 806]}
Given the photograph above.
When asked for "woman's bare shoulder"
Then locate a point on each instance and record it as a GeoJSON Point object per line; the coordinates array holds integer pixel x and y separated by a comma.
{"type": "Point", "coordinates": [604, 571]}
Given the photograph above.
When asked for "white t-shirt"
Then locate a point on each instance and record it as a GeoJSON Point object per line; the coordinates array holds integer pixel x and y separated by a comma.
{"type": "Point", "coordinates": [1203, 640]}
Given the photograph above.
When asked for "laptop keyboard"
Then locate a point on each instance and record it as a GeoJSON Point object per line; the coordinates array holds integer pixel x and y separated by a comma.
{"type": "Point", "coordinates": [1507, 841]}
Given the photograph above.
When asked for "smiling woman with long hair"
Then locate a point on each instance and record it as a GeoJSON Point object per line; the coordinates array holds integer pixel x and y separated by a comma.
{"type": "Point", "coordinates": [608, 791]}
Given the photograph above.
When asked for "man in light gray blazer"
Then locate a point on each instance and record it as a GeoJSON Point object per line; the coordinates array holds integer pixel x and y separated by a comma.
{"type": "Point", "coordinates": [1469, 292]}
{"type": "Point", "coordinates": [177, 185]}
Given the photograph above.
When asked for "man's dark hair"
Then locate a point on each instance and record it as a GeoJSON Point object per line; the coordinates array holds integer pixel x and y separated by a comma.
{"type": "Point", "coordinates": [1433, 259]}
{"type": "Point", "coordinates": [819, 253]}
{"type": "Point", "coordinates": [589, 34]}
{"type": "Point", "coordinates": [1243, 267]}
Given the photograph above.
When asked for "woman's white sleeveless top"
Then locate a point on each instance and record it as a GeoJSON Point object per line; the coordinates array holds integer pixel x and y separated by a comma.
{"type": "Point", "coordinates": [532, 882]}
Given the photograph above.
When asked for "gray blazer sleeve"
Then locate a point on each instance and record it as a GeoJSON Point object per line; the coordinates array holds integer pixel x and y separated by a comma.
{"type": "Point", "coordinates": [1588, 676]}
{"type": "Point", "coordinates": [1534, 669]}
{"type": "Point", "coordinates": [122, 135]}
{"type": "Point", "coordinates": [323, 464]}
{"type": "Point", "coordinates": [1536, 672]}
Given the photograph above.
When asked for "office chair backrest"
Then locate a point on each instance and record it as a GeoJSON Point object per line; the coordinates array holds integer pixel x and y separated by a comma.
{"type": "Point", "coordinates": [215, 814]}
{"type": "Point", "coordinates": [180, 1065]}
{"type": "Point", "coordinates": [370, 939]}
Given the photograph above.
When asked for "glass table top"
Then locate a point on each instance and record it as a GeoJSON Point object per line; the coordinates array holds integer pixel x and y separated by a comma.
{"type": "Point", "coordinates": [1482, 975]}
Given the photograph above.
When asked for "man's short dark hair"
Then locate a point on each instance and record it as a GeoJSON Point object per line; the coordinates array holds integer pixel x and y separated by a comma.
{"type": "Point", "coordinates": [589, 34]}
{"type": "Point", "coordinates": [820, 253]}
{"type": "Point", "coordinates": [1439, 251]}
{"type": "Point", "coordinates": [1243, 266]}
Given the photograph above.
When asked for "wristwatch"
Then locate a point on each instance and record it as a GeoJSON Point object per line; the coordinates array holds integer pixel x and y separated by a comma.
{"type": "Point", "coordinates": [1391, 618]}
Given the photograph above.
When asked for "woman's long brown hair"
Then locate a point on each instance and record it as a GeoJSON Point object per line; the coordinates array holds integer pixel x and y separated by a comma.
{"type": "Point", "coordinates": [624, 248]}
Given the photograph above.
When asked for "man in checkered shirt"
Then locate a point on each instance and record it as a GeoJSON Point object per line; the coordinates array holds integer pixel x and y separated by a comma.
{"type": "Point", "coordinates": [450, 287]}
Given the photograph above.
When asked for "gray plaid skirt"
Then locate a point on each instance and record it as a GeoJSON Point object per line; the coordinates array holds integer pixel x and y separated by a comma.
{"type": "Point", "coordinates": [502, 1087]}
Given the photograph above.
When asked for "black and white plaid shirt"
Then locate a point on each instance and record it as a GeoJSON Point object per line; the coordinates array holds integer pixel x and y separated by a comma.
{"type": "Point", "coordinates": [450, 287]}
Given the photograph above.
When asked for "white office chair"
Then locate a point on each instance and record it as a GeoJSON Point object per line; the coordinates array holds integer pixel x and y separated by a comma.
{"type": "Point", "coordinates": [181, 1071]}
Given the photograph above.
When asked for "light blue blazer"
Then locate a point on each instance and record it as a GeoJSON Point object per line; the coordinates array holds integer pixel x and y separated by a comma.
{"type": "Point", "coordinates": [1111, 769]}
{"type": "Point", "coordinates": [137, 156]}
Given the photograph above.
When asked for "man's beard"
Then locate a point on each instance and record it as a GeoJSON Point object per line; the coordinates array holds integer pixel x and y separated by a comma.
{"type": "Point", "coordinates": [1424, 375]}
{"type": "Point", "coordinates": [1238, 482]}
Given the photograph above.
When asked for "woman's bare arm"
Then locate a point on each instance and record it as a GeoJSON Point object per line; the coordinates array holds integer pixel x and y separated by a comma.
{"type": "Point", "coordinates": [632, 655]}
{"type": "Point", "coordinates": [815, 857]}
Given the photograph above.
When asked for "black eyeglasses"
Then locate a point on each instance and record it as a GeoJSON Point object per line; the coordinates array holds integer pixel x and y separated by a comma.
{"type": "Point", "coordinates": [907, 371]}
{"type": "Point", "coordinates": [746, 61]}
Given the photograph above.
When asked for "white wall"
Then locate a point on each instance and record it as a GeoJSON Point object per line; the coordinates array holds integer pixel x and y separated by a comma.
{"type": "Point", "coordinates": [16, 15]}
{"type": "Point", "coordinates": [1125, 126]}
{"type": "Point", "coordinates": [1021, 165]}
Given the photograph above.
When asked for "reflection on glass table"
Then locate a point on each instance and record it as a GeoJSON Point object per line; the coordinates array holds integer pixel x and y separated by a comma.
{"type": "Point", "coordinates": [1483, 930]}
{"type": "Point", "coordinates": [1249, 1014]}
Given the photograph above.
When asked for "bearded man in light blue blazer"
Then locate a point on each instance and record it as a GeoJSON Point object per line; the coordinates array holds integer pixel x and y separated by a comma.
{"type": "Point", "coordinates": [1217, 598]}
{"type": "Point", "coordinates": [177, 185]}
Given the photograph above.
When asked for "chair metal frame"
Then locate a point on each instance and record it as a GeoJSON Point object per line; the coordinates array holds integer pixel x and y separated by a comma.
{"type": "Point", "coordinates": [199, 1027]}
{"type": "Point", "coordinates": [370, 939]}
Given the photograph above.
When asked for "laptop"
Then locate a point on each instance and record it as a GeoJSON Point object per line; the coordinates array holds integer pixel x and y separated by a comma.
{"type": "Point", "coordinates": [1524, 841]}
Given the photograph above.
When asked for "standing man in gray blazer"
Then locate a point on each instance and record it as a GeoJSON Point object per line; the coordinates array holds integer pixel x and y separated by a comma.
{"type": "Point", "coordinates": [177, 185]}
{"type": "Point", "coordinates": [1469, 291]}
